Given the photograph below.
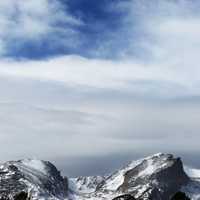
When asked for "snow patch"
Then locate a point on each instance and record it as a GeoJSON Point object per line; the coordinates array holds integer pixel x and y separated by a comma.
{"type": "Point", "coordinates": [34, 164]}
{"type": "Point", "coordinates": [114, 181]}
{"type": "Point", "coordinates": [85, 184]}
{"type": "Point", "coordinates": [192, 173]}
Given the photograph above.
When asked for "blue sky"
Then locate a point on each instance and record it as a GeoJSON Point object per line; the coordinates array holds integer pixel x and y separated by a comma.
{"type": "Point", "coordinates": [104, 29]}
{"type": "Point", "coordinates": [91, 80]}
{"type": "Point", "coordinates": [92, 26]}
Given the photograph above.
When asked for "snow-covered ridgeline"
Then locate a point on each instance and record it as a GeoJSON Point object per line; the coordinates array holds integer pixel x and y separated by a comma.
{"type": "Point", "coordinates": [156, 175]}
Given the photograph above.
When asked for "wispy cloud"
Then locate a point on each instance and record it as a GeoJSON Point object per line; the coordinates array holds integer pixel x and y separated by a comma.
{"type": "Point", "coordinates": [112, 104]}
{"type": "Point", "coordinates": [121, 75]}
{"type": "Point", "coordinates": [34, 21]}
{"type": "Point", "coordinates": [157, 30]}
{"type": "Point", "coordinates": [121, 105]}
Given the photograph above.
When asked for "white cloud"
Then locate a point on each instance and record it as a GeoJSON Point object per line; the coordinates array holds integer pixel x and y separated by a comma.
{"type": "Point", "coordinates": [114, 106]}
{"type": "Point", "coordinates": [95, 73]}
{"type": "Point", "coordinates": [162, 30]}
{"type": "Point", "coordinates": [33, 20]}
{"type": "Point", "coordinates": [64, 103]}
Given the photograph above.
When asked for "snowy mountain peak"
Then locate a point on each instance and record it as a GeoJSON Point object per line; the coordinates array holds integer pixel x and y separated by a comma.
{"type": "Point", "coordinates": [155, 177]}
{"type": "Point", "coordinates": [35, 177]}
{"type": "Point", "coordinates": [38, 165]}
{"type": "Point", "coordinates": [144, 167]}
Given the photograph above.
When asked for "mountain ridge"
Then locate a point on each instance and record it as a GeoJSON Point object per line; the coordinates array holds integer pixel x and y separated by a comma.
{"type": "Point", "coordinates": [152, 178]}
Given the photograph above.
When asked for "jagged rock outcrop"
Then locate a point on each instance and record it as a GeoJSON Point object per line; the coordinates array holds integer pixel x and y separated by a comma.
{"type": "Point", "coordinates": [87, 184]}
{"type": "Point", "coordinates": [22, 196]}
{"type": "Point", "coordinates": [178, 196]}
{"type": "Point", "coordinates": [124, 197]}
{"type": "Point", "coordinates": [33, 177]}
{"type": "Point", "coordinates": [157, 177]}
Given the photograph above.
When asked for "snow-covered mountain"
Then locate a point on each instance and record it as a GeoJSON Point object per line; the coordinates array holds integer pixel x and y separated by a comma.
{"type": "Point", "coordinates": [40, 179]}
{"type": "Point", "coordinates": [153, 178]}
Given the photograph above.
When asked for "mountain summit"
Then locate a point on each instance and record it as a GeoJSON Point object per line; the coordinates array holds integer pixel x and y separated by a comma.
{"type": "Point", "coordinates": [39, 179]}
{"type": "Point", "coordinates": [157, 177]}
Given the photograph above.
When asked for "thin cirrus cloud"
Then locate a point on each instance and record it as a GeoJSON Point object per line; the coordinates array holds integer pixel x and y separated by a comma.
{"type": "Point", "coordinates": [161, 29]}
{"type": "Point", "coordinates": [34, 21]}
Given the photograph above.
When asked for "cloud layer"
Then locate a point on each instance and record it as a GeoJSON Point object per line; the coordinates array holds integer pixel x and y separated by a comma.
{"type": "Point", "coordinates": [145, 101]}
{"type": "Point", "coordinates": [126, 108]}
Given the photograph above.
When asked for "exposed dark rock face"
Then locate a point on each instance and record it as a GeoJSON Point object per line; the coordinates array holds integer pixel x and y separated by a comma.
{"type": "Point", "coordinates": [177, 196]}
{"type": "Point", "coordinates": [154, 178]}
{"type": "Point", "coordinates": [158, 177]}
{"type": "Point", "coordinates": [125, 197]}
{"type": "Point", "coordinates": [89, 183]}
{"type": "Point", "coordinates": [180, 196]}
{"type": "Point", "coordinates": [163, 181]}
{"type": "Point", "coordinates": [10, 183]}
{"type": "Point", "coordinates": [21, 196]}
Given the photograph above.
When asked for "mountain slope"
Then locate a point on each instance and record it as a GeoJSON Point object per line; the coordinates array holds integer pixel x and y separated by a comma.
{"type": "Point", "coordinates": [38, 178]}
{"type": "Point", "coordinates": [157, 177]}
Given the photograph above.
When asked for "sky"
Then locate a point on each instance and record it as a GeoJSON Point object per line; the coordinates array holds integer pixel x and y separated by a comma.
{"type": "Point", "coordinates": [90, 85]}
